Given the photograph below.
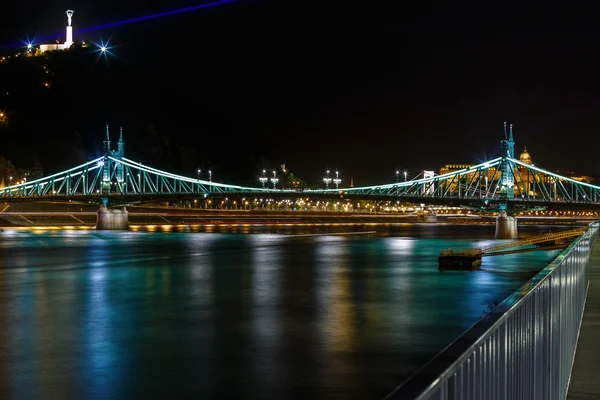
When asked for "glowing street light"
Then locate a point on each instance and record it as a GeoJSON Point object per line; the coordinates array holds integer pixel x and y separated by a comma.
{"type": "Point", "coordinates": [198, 171]}
{"type": "Point", "coordinates": [327, 180]}
{"type": "Point", "coordinates": [104, 50]}
{"type": "Point", "coordinates": [337, 180]}
{"type": "Point", "coordinates": [274, 179]}
{"type": "Point", "coordinates": [263, 179]}
{"type": "Point", "coordinates": [209, 175]}
{"type": "Point", "coordinates": [405, 173]}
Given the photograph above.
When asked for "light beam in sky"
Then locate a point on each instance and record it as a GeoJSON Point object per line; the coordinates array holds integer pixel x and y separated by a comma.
{"type": "Point", "coordinates": [133, 20]}
{"type": "Point", "coordinates": [157, 15]}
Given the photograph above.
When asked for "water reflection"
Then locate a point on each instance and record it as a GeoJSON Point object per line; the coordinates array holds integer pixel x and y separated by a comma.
{"type": "Point", "coordinates": [336, 295]}
{"type": "Point", "coordinates": [101, 354]}
{"type": "Point", "coordinates": [191, 314]}
{"type": "Point", "coordinates": [267, 321]}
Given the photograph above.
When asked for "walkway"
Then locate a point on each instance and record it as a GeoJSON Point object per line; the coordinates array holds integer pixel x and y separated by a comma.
{"type": "Point", "coordinates": [585, 382]}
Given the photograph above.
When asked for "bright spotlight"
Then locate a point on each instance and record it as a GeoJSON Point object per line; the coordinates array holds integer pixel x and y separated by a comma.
{"type": "Point", "coordinates": [29, 46]}
{"type": "Point", "coordinates": [104, 50]}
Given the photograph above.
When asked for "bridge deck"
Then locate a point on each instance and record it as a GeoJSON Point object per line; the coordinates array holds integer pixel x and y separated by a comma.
{"type": "Point", "coordinates": [584, 377]}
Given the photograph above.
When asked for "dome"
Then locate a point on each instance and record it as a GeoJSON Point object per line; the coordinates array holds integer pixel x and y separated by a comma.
{"type": "Point", "coordinates": [525, 157]}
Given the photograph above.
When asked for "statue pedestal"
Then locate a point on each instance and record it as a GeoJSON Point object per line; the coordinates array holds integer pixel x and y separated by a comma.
{"type": "Point", "coordinates": [506, 227]}
{"type": "Point", "coordinates": [115, 220]}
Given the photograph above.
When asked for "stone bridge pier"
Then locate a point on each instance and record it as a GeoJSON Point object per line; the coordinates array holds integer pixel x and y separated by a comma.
{"type": "Point", "coordinates": [506, 226]}
{"type": "Point", "coordinates": [112, 219]}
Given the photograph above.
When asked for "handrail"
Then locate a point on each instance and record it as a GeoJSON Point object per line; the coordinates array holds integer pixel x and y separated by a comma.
{"type": "Point", "coordinates": [536, 239]}
{"type": "Point", "coordinates": [524, 347]}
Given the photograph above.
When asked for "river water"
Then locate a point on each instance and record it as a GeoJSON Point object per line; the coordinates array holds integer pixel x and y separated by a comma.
{"type": "Point", "coordinates": [140, 315]}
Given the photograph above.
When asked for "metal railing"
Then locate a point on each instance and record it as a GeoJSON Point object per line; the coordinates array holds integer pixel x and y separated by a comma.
{"type": "Point", "coordinates": [535, 239]}
{"type": "Point", "coordinates": [522, 349]}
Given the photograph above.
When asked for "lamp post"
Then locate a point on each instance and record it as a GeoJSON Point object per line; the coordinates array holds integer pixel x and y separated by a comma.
{"type": "Point", "coordinates": [198, 171]}
{"type": "Point", "coordinates": [263, 179]}
{"type": "Point", "coordinates": [405, 174]}
{"type": "Point", "coordinates": [274, 179]}
{"type": "Point", "coordinates": [209, 175]}
{"type": "Point", "coordinates": [337, 180]}
{"type": "Point", "coordinates": [327, 180]}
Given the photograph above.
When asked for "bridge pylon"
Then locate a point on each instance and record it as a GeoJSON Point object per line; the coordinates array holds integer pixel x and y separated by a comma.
{"type": "Point", "coordinates": [112, 219]}
{"type": "Point", "coordinates": [507, 179]}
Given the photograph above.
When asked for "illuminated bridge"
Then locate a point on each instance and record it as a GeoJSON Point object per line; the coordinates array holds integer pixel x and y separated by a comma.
{"type": "Point", "coordinates": [116, 180]}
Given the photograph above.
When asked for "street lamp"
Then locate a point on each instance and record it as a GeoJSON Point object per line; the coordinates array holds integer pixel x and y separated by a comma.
{"type": "Point", "coordinates": [209, 175]}
{"type": "Point", "coordinates": [405, 173]}
{"type": "Point", "coordinates": [263, 179]}
{"type": "Point", "coordinates": [327, 180]}
{"type": "Point", "coordinates": [199, 170]}
{"type": "Point", "coordinates": [337, 179]}
{"type": "Point", "coordinates": [274, 179]}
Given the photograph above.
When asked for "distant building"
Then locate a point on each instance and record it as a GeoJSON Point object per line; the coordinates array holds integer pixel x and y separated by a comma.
{"type": "Point", "coordinates": [34, 173]}
{"type": "Point", "coordinates": [67, 43]}
{"type": "Point", "coordinates": [522, 178]}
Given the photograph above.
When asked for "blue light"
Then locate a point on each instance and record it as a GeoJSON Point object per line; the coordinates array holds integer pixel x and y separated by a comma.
{"type": "Point", "coordinates": [131, 20]}
{"type": "Point", "coordinates": [29, 43]}
{"type": "Point", "coordinates": [158, 15]}
{"type": "Point", "coordinates": [104, 50]}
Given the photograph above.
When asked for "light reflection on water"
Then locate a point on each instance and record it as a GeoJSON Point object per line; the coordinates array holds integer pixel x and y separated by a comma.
{"type": "Point", "coordinates": [89, 314]}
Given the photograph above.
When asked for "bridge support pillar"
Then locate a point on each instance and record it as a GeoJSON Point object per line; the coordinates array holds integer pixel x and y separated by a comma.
{"type": "Point", "coordinates": [430, 218]}
{"type": "Point", "coordinates": [112, 219]}
{"type": "Point", "coordinates": [506, 226]}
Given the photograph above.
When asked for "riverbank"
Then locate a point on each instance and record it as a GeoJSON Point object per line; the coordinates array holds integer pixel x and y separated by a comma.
{"type": "Point", "coordinates": [140, 216]}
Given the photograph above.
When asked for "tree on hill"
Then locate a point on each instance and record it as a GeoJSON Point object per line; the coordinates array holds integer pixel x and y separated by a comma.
{"type": "Point", "coordinates": [8, 172]}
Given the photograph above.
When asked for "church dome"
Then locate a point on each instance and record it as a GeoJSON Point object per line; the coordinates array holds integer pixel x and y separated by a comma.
{"type": "Point", "coordinates": [525, 157]}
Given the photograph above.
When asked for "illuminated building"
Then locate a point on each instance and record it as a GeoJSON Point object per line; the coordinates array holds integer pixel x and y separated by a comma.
{"type": "Point", "coordinates": [521, 181]}
{"type": "Point", "coordinates": [69, 40]}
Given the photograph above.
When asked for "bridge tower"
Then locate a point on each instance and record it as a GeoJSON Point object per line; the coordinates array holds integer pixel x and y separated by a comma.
{"type": "Point", "coordinates": [506, 225]}
{"type": "Point", "coordinates": [507, 145]}
{"type": "Point", "coordinates": [120, 153]}
{"type": "Point", "coordinates": [105, 186]}
{"type": "Point", "coordinates": [113, 219]}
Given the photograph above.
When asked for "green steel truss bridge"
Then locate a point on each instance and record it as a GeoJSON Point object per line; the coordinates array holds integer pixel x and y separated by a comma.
{"type": "Point", "coordinates": [115, 179]}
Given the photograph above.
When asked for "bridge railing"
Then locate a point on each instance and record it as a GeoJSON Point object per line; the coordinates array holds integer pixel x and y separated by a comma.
{"type": "Point", "coordinates": [524, 348]}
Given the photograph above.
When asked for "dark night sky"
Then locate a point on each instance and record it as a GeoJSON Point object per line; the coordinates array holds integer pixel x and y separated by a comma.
{"type": "Point", "coordinates": [366, 89]}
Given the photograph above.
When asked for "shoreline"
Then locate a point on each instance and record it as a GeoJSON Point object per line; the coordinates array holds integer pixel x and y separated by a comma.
{"type": "Point", "coordinates": [87, 220]}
